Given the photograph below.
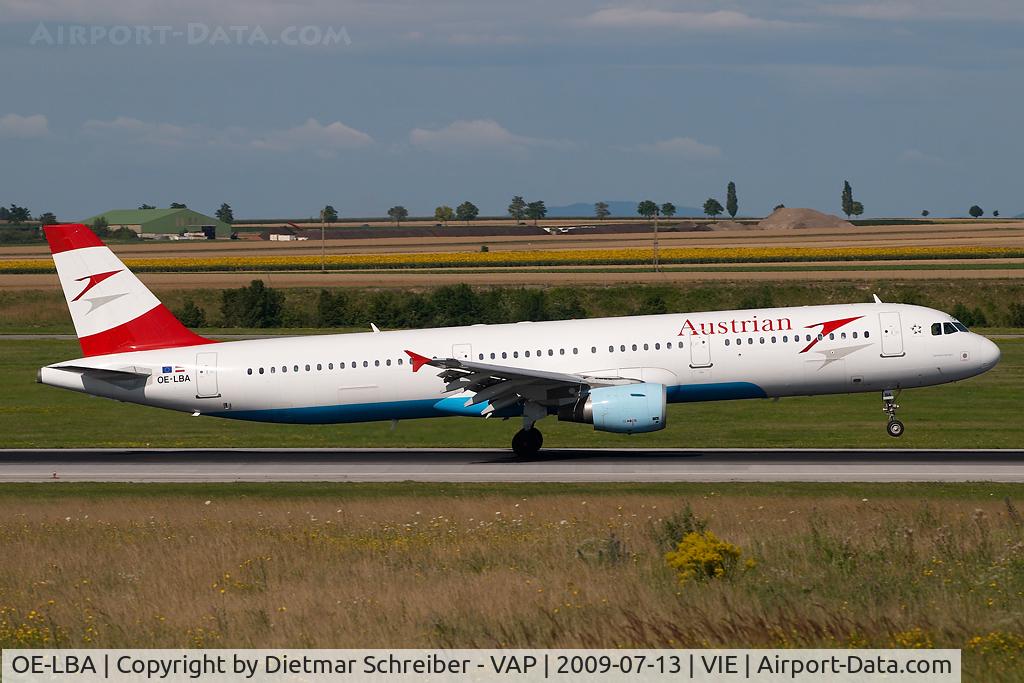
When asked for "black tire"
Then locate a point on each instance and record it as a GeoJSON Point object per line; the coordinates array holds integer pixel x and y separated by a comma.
{"type": "Point", "coordinates": [527, 442]}
{"type": "Point", "coordinates": [895, 428]}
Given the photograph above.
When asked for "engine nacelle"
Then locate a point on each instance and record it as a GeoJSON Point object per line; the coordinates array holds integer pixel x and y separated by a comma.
{"type": "Point", "coordinates": [625, 409]}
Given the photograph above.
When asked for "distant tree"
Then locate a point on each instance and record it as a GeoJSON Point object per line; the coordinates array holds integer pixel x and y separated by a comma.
{"type": "Point", "coordinates": [926, 213]}
{"type": "Point", "coordinates": [779, 206]}
{"type": "Point", "coordinates": [329, 214]}
{"type": "Point", "coordinates": [536, 210]}
{"type": "Point", "coordinates": [4, 213]}
{"type": "Point", "coordinates": [466, 211]}
{"type": "Point", "coordinates": [996, 213]}
{"type": "Point", "coordinates": [47, 218]}
{"type": "Point", "coordinates": [976, 211]}
{"type": "Point", "coordinates": [857, 208]}
{"type": "Point", "coordinates": [732, 203]}
{"type": "Point", "coordinates": [601, 210]}
{"type": "Point", "coordinates": [101, 227]}
{"type": "Point", "coordinates": [647, 209]}
{"type": "Point", "coordinates": [847, 198]}
{"type": "Point", "coordinates": [18, 214]}
{"type": "Point", "coordinates": [971, 317]}
{"type": "Point", "coordinates": [517, 208]}
{"type": "Point", "coordinates": [191, 315]}
{"type": "Point", "coordinates": [713, 207]}
{"type": "Point", "coordinates": [397, 213]}
{"type": "Point", "coordinates": [668, 209]}
{"type": "Point", "coordinates": [254, 306]}
{"type": "Point", "coordinates": [444, 213]}
{"type": "Point", "coordinates": [145, 207]}
{"type": "Point", "coordinates": [225, 214]}
{"type": "Point", "coordinates": [178, 205]}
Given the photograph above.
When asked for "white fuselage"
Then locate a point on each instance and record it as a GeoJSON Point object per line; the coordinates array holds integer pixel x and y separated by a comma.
{"type": "Point", "coordinates": [697, 356]}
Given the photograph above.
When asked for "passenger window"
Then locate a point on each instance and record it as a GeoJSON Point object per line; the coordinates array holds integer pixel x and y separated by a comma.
{"type": "Point", "coordinates": [854, 335]}
{"type": "Point", "coordinates": [307, 367]}
{"type": "Point", "coordinates": [866, 334]}
{"type": "Point", "coordinates": [739, 342]}
{"type": "Point", "coordinates": [527, 354]}
{"type": "Point", "coordinates": [634, 347]}
{"type": "Point", "coordinates": [832, 335]}
{"type": "Point", "coordinates": [515, 354]}
{"type": "Point", "coordinates": [366, 363]}
{"type": "Point", "coordinates": [575, 351]}
{"type": "Point", "coordinates": [773, 340]}
{"type": "Point", "coordinates": [284, 368]}
{"type": "Point", "coordinates": [948, 328]}
{"type": "Point", "coordinates": [611, 349]}
{"type": "Point", "coordinates": [842, 336]}
{"type": "Point", "coordinates": [261, 371]}
{"type": "Point", "coordinates": [504, 355]}
{"type": "Point", "coordinates": [272, 369]}
{"type": "Point", "coordinates": [785, 338]}
{"type": "Point", "coordinates": [399, 361]}
{"type": "Point", "coordinates": [481, 357]}
{"type": "Point", "coordinates": [388, 362]}
{"type": "Point", "coordinates": [936, 329]}
{"type": "Point", "coordinates": [622, 347]}
{"type": "Point", "coordinates": [249, 371]}
{"type": "Point", "coordinates": [726, 342]}
{"type": "Point", "coordinates": [376, 363]}
{"type": "Point", "coordinates": [330, 366]}
{"type": "Point", "coordinates": [750, 340]}
{"type": "Point", "coordinates": [561, 352]}
{"type": "Point", "coordinates": [492, 356]}
{"type": "Point", "coordinates": [319, 366]}
{"type": "Point", "coordinates": [762, 340]}
{"type": "Point", "coordinates": [551, 352]}
{"type": "Point", "coordinates": [657, 347]}
{"type": "Point", "coordinates": [296, 368]}
{"type": "Point", "coordinates": [593, 349]}
{"type": "Point", "coordinates": [646, 347]}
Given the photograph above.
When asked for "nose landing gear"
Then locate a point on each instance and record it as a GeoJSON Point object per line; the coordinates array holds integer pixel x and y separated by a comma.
{"type": "Point", "coordinates": [889, 406]}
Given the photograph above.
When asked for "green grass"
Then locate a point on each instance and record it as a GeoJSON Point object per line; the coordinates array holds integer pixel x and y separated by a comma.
{"type": "Point", "coordinates": [979, 413]}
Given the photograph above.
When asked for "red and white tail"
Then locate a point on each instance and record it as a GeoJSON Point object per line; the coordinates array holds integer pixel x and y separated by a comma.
{"type": "Point", "coordinates": [112, 310]}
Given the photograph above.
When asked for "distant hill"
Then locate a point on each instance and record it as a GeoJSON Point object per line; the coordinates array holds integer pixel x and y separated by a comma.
{"type": "Point", "coordinates": [1019, 215]}
{"type": "Point", "coordinates": [618, 209]}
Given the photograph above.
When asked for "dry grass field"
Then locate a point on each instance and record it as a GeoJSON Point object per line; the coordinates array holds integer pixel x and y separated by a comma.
{"type": "Point", "coordinates": [531, 566]}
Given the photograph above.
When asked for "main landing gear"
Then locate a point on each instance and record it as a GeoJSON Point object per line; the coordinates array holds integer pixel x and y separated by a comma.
{"type": "Point", "coordinates": [527, 442]}
{"type": "Point", "coordinates": [889, 406]}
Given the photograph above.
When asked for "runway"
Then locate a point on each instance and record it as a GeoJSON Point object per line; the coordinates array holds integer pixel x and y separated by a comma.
{"type": "Point", "coordinates": [499, 465]}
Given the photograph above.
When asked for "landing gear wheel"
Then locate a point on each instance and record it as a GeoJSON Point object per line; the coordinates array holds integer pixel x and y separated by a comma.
{"type": "Point", "coordinates": [527, 442]}
{"type": "Point", "coordinates": [895, 428]}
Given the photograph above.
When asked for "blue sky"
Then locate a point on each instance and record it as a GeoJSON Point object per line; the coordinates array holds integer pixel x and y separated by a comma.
{"type": "Point", "coordinates": [916, 102]}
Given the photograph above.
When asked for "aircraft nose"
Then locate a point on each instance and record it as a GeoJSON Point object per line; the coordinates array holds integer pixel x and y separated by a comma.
{"type": "Point", "coordinates": [988, 353]}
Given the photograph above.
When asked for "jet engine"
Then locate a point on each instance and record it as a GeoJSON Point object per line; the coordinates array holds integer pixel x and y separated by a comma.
{"type": "Point", "coordinates": [624, 409]}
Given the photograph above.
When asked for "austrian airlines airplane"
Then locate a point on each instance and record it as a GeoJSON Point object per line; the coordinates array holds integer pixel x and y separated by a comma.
{"type": "Point", "coordinates": [617, 374]}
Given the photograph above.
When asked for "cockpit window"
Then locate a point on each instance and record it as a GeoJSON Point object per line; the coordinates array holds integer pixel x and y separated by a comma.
{"type": "Point", "coordinates": [960, 326]}
{"type": "Point", "coordinates": [936, 329]}
{"type": "Point", "coordinates": [948, 328]}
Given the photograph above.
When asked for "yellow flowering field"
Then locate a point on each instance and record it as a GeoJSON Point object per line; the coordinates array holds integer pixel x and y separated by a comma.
{"type": "Point", "coordinates": [586, 257]}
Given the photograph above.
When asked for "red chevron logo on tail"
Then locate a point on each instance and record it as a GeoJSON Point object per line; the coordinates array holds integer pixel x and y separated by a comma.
{"type": "Point", "coordinates": [93, 281]}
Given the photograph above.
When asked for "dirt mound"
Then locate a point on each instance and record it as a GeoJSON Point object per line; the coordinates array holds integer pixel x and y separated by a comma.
{"type": "Point", "coordinates": [730, 225]}
{"type": "Point", "coordinates": [789, 219]}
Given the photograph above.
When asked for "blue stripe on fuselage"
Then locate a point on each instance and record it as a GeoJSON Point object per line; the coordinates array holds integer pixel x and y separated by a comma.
{"type": "Point", "coordinates": [446, 407]}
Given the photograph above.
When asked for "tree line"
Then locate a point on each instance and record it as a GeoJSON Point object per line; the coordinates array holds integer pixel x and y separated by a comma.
{"type": "Point", "coordinates": [259, 306]}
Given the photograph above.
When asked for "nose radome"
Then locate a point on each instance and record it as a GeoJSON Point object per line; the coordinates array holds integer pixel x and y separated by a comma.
{"type": "Point", "coordinates": [989, 354]}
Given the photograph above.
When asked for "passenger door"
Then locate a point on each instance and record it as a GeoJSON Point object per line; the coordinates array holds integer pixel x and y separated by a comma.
{"type": "Point", "coordinates": [462, 351]}
{"type": "Point", "coordinates": [700, 351]}
{"type": "Point", "coordinates": [206, 375]}
{"type": "Point", "coordinates": [892, 335]}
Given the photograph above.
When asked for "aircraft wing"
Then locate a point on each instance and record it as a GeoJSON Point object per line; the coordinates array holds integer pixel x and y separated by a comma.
{"type": "Point", "coordinates": [501, 385]}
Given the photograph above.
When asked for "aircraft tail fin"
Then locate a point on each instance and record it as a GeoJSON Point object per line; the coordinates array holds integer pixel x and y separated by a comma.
{"type": "Point", "coordinates": [112, 310]}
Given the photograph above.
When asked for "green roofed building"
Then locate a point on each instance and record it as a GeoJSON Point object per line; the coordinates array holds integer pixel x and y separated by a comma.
{"type": "Point", "coordinates": [164, 223]}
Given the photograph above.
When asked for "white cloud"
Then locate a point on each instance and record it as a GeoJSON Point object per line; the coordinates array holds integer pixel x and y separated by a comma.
{"type": "Point", "coordinates": [323, 140]}
{"type": "Point", "coordinates": [683, 148]}
{"type": "Point", "coordinates": [475, 135]}
{"type": "Point", "coordinates": [128, 129]}
{"type": "Point", "coordinates": [916, 156]}
{"type": "Point", "coordinates": [15, 126]}
{"type": "Point", "coordinates": [310, 137]}
{"type": "Point", "coordinates": [720, 20]}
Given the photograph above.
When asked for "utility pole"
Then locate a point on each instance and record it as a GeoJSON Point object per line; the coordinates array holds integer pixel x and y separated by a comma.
{"type": "Point", "coordinates": [323, 242]}
{"type": "Point", "coordinates": [657, 265]}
